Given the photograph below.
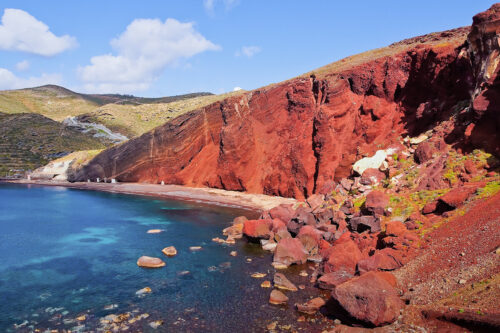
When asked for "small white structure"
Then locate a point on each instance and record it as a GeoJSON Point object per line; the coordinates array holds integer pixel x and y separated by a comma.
{"type": "Point", "coordinates": [113, 181]}
{"type": "Point", "coordinates": [88, 180]}
{"type": "Point", "coordinates": [98, 180]}
{"type": "Point", "coordinates": [29, 177]}
{"type": "Point", "coordinates": [162, 182]}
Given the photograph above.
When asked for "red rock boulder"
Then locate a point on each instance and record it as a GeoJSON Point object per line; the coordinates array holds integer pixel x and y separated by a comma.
{"type": "Point", "coordinates": [363, 223]}
{"type": "Point", "coordinates": [331, 280]}
{"type": "Point", "coordinates": [376, 202]}
{"type": "Point", "coordinates": [424, 152]}
{"type": "Point", "coordinates": [370, 298]}
{"type": "Point", "coordinates": [395, 228]}
{"type": "Point", "coordinates": [290, 251]}
{"type": "Point", "coordinates": [310, 238]}
{"type": "Point", "coordinates": [383, 260]}
{"type": "Point", "coordinates": [258, 229]}
{"type": "Point", "coordinates": [284, 212]}
{"type": "Point", "coordinates": [311, 306]}
{"type": "Point", "coordinates": [457, 196]}
{"type": "Point", "coordinates": [343, 257]}
{"type": "Point", "coordinates": [372, 177]}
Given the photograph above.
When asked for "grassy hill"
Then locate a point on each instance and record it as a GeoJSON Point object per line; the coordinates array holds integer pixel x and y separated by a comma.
{"type": "Point", "coordinates": [128, 115]}
{"type": "Point", "coordinates": [28, 141]}
{"type": "Point", "coordinates": [58, 103]}
{"type": "Point", "coordinates": [134, 120]}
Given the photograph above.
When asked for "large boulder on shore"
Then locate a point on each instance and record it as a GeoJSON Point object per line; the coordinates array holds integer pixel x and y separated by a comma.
{"type": "Point", "coordinates": [370, 297]}
{"type": "Point", "coordinates": [284, 212]}
{"type": "Point", "coordinates": [343, 257]}
{"type": "Point", "coordinates": [258, 229]}
{"type": "Point", "coordinates": [383, 260]}
{"type": "Point", "coordinates": [290, 251]}
{"type": "Point", "coordinates": [332, 280]}
{"type": "Point", "coordinates": [310, 238]}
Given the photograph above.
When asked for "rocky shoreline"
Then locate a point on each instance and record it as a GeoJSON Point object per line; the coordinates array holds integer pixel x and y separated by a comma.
{"type": "Point", "coordinates": [386, 215]}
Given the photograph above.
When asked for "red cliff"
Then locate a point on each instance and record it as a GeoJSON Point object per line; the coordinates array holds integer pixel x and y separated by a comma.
{"type": "Point", "coordinates": [293, 138]}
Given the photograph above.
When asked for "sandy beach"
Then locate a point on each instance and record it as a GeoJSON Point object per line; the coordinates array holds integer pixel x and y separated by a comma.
{"type": "Point", "coordinates": [258, 202]}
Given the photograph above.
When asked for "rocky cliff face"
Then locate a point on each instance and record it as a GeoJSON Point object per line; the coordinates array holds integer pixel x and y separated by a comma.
{"type": "Point", "coordinates": [295, 138]}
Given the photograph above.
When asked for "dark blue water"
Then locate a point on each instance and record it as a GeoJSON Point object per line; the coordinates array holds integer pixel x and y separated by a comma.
{"type": "Point", "coordinates": [65, 253]}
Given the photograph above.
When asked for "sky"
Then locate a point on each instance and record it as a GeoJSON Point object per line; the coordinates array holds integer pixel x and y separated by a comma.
{"type": "Point", "coordinates": [156, 48]}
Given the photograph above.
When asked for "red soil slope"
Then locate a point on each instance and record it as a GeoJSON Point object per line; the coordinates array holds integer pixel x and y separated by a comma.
{"type": "Point", "coordinates": [293, 138]}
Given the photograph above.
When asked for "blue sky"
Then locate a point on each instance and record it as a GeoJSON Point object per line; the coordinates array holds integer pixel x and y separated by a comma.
{"type": "Point", "coordinates": [166, 47]}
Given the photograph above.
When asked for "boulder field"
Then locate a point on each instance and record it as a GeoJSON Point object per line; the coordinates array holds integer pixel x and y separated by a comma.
{"type": "Point", "coordinates": [295, 138]}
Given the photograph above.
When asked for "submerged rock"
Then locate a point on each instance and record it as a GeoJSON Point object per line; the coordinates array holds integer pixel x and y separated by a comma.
{"type": "Point", "coordinates": [281, 282]}
{"type": "Point", "coordinates": [150, 262]}
{"type": "Point", "coordinates": [169, 251]}
{"type": "Point", "coordinates": [311, 306]}
{"type": "Point", "coordinates": [155, 231]}
{"type": "Point", "coordinates": [143, 291]}
{"type": "Point", "coordinates": [277, 297]}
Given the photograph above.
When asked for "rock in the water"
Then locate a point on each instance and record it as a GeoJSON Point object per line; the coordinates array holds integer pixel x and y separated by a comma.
{"type": "Point", "coordinates": [311, 306]}
{"type": "Point", "coordinates": [169, 251]}
{"type": "Point", "coordinates": [277, 297]}
{"type": "Point", "coordinates": [370, 298]}
{"type": "Point", "coordinates": [150, 262]}
{"type": "Point", "coordinates": [281, 282]}
{"type": "Point", "coordinates": [143, 291]}
{"type": "Point", "coordinates": [258, 275]}
{"type": "Point", "coordinates": [290, 251]}
{"type": "Point", "coordinates": [266, 284]}
{"type": "Point", "coordinates": [155, 231]}
{"type": "Point", "coordinates": [376, 202]}
{"type": "Point", "coordinates": [257, 229]}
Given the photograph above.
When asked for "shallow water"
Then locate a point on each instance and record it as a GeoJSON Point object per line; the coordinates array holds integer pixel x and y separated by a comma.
{"type": "Point", "coordinates": [65, 252]}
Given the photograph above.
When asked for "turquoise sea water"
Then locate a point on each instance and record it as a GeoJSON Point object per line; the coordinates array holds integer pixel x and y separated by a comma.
{"type": "Point", "coordinates": [65, 253]}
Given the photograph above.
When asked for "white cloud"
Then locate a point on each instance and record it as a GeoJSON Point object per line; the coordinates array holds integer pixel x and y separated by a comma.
{"type": "Point", "coordinates": [143, 51]}
{"type": "Point", "coordinates": [20, 31]}
{"type": "Point", "coordinates": [23, 65]}
{"type": "Point", "coordinates": [248, 51]}
{"type": "Point", "coordinates": [10, 81]}
{"type": "Point", "coordinates": [210, 5]}
{"type": "Point", "coordinates": [237, 89]}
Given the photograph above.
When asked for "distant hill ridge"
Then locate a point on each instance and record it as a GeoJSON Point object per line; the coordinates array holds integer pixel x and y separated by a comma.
{"type": "Point", "coordinates": [103, 99]}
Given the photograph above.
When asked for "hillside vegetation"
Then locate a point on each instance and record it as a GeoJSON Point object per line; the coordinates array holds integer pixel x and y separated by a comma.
{"type": "Point", "coordinates": [28, 141]}
{"type": "Point", "coordinates": [33, 134]}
